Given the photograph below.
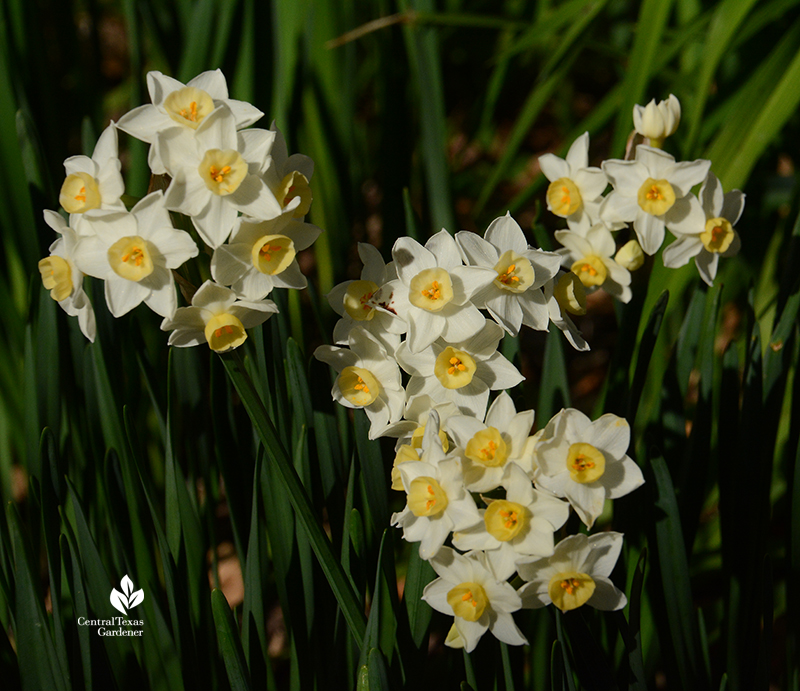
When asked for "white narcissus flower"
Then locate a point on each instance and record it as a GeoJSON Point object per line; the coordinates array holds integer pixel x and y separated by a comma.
{"type": "Point", "coordinates": [573, 183]}
{"type": "Point", "coordinates": [289, 176]}
{"type": "Point", "coordinates": [433, 291]}
{"type": "Point", "coordinates": [462, 373]}
{"type": "Point", "coordinates": [586, 461]}
{"type": "Point", "coordinates": [368, 378]}
{"type": "Point", "coordinates": [96, 182]}
{"type": "Point", "coordinates": [261, 255]}
{"type": "Point", "coordinates": [519, 526]}
{"type": "Point", "coordinates": [657, 122]}
{"type": "Point", "coordinates": [576, 574]}
{"type": "Point", "coordinates": [134, 253]}
{"type": "Point", "coordinates": [175, 105]}
{"type": "Point", "coordinates": [590, 258]}
{"type": "Point", "coordinates": [61, 276]}
{"type": "Point", "coordinates": [653, 191]}
{"type": "Point", "coordinates": [352, 300]}
{"type": "Point", "coordinates": [714, 238]}
{"type": "Point", "coordinates": [216, 174]}
{"type": "Point", "coordinates": [216, 317]}
{"type": "Point", "coordinates": [515, 295]}
{"type": "Point", "coordinates": [436, 501]}
{"type": "Point", "coordinates": [566, 295]}
{"type": "Point", "coordinates": [492, 447]}
{"type": "Point", "coordinates": [468, 590]}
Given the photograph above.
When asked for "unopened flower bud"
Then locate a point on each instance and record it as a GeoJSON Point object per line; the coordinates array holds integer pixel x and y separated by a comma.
{"type": "Point", "coordinates": [657, 122]}
{"type": "Point", "coordinates": [630, 256]}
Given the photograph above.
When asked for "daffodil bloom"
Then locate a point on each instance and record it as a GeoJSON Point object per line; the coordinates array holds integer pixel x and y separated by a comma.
{"type": "Point", "coordinates": [185, 107]}
{"type": "Point", "coordinates": [411, 429]}
{"type": "Point", "coordinates": [515, 296]}
{"type": "Point", "coordinates": [573, 183]}
{"type": "Point", "coordinates": [368, 378]}
{"type": "Point", "coordinates": [462, 373]}
{"type": "Point", "coordinates": [354, 302]}
{"type": "Point", "coordinates": [433, 291]}
{"type": "Point", "coordinates": [715, 238]}
{"type": "Point", "coordinates": [566, 295]}
{"type": "Point", "coordinates": [216, 174]}
{"type": "Point", "coordinates": [216, 317]}
{"type": "Point", "coordinates": [576, 574]}
{"type": "Point", "coordinates": [657, 122]}
{"type": "Point", "coordinates": [490, 447]}
{"type": "Point", "coordinates": [96, 182]}
{"type": "Point", "coordinates": [289, 177]}
{"type": "Point", "coordinates": [436, 501]}
{"type": "Point", "coordinates": [586, 461]}
{"type": "Point", "coordinates": [61, 276]}
{"type": "Point", "coordinates": [468, 590]}
{"type": "Point", "coordinates": [653, 191]}
{"type": "Point", "coordinates": [134, 253]}
{"type": "Point", "coordinates": [261, 255]}
{"type": "Point", "coordinates": [590, 258]}
{"type": "Point", "coordinates": [519, 526]}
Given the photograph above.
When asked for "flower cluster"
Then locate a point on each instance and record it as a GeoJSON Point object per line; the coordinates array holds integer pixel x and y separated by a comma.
{"type": "Point", "coordinates": [653, 192]}
{"type": "Point", "coordinates": [418, 352]}
{"type": "Point", "coordinates": [245, 195]}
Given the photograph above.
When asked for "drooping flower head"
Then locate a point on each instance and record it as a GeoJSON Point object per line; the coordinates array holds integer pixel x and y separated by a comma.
{"type": "Point", "coordinates": [216, 317]}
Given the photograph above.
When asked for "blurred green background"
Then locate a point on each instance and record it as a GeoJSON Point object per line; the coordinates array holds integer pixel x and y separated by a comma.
{"type": "Point", "coordinates": [419, 115]}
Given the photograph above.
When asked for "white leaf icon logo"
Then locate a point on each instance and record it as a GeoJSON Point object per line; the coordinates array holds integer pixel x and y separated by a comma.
{"type": "Point", "coordinates": [124, 601]}
{"type": "Point", "coordinates": [118, 600]}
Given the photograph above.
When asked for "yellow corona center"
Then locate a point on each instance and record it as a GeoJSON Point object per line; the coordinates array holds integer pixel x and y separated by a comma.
{"type": "Point", "coordinates": [222, 171]}
{"type": "Point", "coordinates": [505, 519]}
{"type": "Point", "coordinates": [570, 294]}
{"type": "Point", "coordinates": [454, 368]}
{"type": "Point", "coordinates": [426, 497]}
{"type": "Point", "coordinates": [468, 601]}
{"type": "Point", "coordinates": [130, 258]}
{"type": "Point", "coordinates": [430, 289]}
{"type": "Point", "coordinates": [404, 453]}
{"type": "Point", "coordinates": [487, 448]}
{"type": "Point", "coordinates": [585, 463]}
{"type": "Point", "coordinates": [569, 589]}
{"type": "Point", "coordinates": [56, 277]}
{"type": "Point", "coordinates": [293, 185]}
{"type": "Point", "coordinates": [718, 235]}
{"type": "Point", "coordinates": [272, 254]}
{"type": "Point", "coordinates": [359, 386]}
{"type": "Point", "coordinates": [656, 197]}
{"type": "Point", "coordinates": [514, 273]}
{"type": "Point", "coordinates": [188, 106]}
{"type": "Point", "coordinates": [224, 332]}
{"type": "Point", "coordinates": [79, 193]}
{"type": "Point", "coordinates": [590, 270]}
{"type": "Point", "coordinates": [563, 197]}
{"type": "Point", "coordinates": [356, 300]}
{"type": "Point", "coordinates": [419, 433]}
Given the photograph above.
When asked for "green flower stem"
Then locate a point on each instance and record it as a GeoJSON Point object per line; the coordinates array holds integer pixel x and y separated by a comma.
{"type": "Point", "coordinates": [284, 470]}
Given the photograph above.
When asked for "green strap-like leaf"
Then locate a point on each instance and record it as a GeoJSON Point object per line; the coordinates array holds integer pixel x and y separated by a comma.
{"type": "Point", "coordinates": [283, 470]}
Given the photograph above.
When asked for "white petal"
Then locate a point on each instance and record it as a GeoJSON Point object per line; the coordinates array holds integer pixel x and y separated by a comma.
{"type": "Point", "coordinates": [706, 263]}
{"type": "Point", "coordinates": [622, 478]}
{"type": "Point", "coordinates": [163, 301]}
{"type": "Point", "coordinates": [477, 251]}
{"type": "Point", "coordinates": [578, 154]}
{"type": "Point", "coordinates": [649, 231]}
{"type": "Point", "coordinates": [606, 596]}
{"type": "Point", "coordinates": [212, 82]}
{"type": "Point", "coordinates": [443, 247]}
{"type": "Point", "coordinates": [686, 216]}
{"type": "Point", "coordinates": [423, 328]}
{"type": "Point", "coordinates": [410, 258]}
{"type": "Point", "coordinates": [686, 174]}
{"type": "Point", "coordinates": [253, 198]}
{"type": "Point", "coordinates": [681, 251]}
{"type": "Point", "coordinates": [144, 121]}
{"type": "Point", "coordinates": [123, 295]}
{"type": "Point", "coordinates": [461, 323]}
{"type": "Point", "coordinates": [553, 167]}
{"type": "Point", "coordinates": [215, 222]}
{"type": "Point", "coordinates": [505, 234]}
{"type": "Point", "coordinates": [609, 433]}
{"type": "Point", "coordinates": [217, 131]}
{"type": "Point", "coordinates": [160, 86]}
